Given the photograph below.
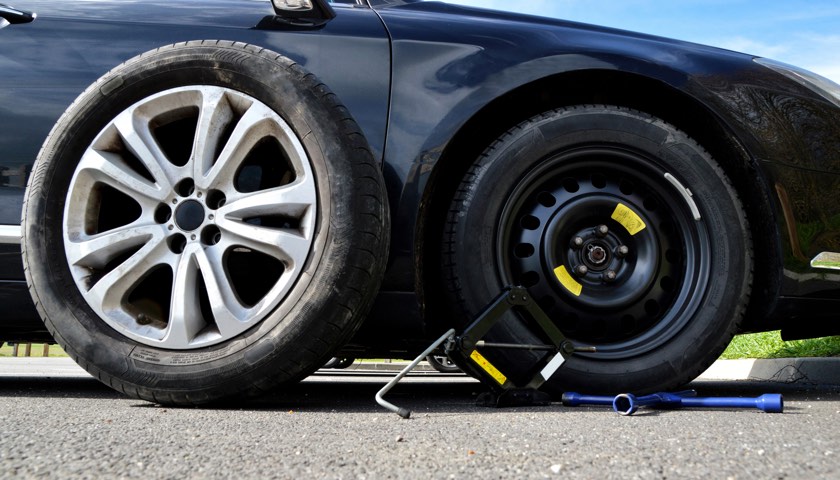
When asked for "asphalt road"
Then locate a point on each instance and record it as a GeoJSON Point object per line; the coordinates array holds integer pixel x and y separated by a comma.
{"type": "Point", "coordinates": [66, 425]}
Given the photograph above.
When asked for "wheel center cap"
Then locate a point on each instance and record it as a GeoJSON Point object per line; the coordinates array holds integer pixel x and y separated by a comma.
{"type": "Point", "coordinates": [189, 215]}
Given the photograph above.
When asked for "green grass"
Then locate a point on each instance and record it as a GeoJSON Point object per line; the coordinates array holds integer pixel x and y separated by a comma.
{"type": "Point", "coordinates": [770, 345]}
{"type": "Point", "coordinates": [37, 350]}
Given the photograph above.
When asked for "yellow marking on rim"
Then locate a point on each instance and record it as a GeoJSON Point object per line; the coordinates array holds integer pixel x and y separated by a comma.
{"type": "Point", "coordinates": [488, 367]}
{"type": "Point", "coordinates": [567, 281]}
{"type": "Point", "coordinates": [628, 219]}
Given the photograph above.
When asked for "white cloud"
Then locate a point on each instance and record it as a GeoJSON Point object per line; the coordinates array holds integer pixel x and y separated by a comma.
{"type": "Point", "coordinates": [829, 71]}
{"type": "Point", "coordinates": [821, 53]}
{"type": "Point", "coordinates": [753, 47]}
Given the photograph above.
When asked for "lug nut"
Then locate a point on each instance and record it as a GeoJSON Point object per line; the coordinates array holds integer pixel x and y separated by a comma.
{"type": "Point", "coordinates": [577, 242]}
{"type": "Point", "coordinates": [581, 270]}
{"type": "Point", "coordinates": [609, 276]}
{"type": "Point", "coordinates": [622, 251]}
{"type": "Point", "coordinates": [602, 230]}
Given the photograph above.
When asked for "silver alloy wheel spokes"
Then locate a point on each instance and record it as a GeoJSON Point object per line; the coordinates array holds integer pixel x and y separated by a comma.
{"type": "Point", "coordinates": [190, 217]}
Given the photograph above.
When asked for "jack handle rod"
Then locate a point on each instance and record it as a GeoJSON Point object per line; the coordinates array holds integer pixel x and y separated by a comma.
{"type": "Point", "coordinates": [404, 412]}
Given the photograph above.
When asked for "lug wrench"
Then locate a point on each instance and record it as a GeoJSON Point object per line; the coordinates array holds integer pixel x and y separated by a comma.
{"type": "Point", "coordinates": [628, 404]}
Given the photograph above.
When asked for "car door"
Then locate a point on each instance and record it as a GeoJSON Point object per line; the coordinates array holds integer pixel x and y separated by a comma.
{"type": "Point", "coordinates": [46, 63]}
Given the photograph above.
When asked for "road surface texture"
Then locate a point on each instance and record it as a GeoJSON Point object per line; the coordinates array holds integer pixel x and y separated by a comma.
{"type": "Point", "coordinates": [58, 423]}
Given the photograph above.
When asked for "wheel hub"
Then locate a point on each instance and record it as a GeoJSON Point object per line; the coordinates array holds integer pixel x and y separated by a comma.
{"type": "Point", "coordinates": [596, 255]}
{"type": "Point", "coordinates": [599, 250]}
{"type": "Point", "coordinates": [189, 215]}
{"type": "Point", "coordinates": [597, 245]}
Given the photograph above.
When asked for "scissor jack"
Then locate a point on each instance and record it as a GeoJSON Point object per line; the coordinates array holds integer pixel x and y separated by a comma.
{"type": "Point", "coordinates": [465, 349]}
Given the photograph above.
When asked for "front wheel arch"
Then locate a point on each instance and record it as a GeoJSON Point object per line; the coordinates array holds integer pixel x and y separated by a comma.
{"type": "Point", "coordinates": [686, 112]}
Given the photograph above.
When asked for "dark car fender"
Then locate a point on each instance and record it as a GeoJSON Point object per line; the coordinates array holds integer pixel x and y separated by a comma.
{"type": "Point", "coordinates": [461, 81]}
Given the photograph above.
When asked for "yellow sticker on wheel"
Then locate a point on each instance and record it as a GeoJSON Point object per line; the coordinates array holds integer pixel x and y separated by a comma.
{"type": "Point", "coordinates": [572, 285]}
{"type": "Point", "coordinates": [488, 367]}
{"type": "Point", "coordinates": [628, 219]}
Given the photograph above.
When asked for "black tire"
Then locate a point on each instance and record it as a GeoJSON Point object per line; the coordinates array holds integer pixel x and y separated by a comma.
{"type": "Point", "coordinates": [339, 362]}
{"type": "Point", "coordinates": [442, 364]}
{"type": "Point", "coordinates": [332, 284]}
{"type": "Point", "coordinates": [680, 289]}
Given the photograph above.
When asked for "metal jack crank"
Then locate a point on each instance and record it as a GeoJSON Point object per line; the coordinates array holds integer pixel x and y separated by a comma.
{"type": "Point", "coordinates": [465, 349]}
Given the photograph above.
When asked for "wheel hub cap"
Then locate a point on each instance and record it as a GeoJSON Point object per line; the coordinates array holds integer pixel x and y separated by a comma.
{"type": "Point", "coordinates": [189, 215]}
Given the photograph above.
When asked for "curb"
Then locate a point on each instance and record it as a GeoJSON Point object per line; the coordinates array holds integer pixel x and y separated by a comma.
{"type": "Point", "coordinates": [803, 371]}
{"type": "Point", "coordinates": [806, 371]}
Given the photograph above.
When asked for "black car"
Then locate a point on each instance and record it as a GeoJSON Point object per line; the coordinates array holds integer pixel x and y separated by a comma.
{"type": "Point", "coordinates": [242, 189]}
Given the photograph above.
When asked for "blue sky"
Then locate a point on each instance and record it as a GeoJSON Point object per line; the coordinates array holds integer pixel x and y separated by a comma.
{"type": "Point", "coordinates": [804, 33]}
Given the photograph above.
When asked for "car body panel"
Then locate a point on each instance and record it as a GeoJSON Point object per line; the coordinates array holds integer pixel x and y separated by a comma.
{"type": "Point", "coordinates": [415, 75]}
{"type": "Point", "coordinates": [50, 61]}
{"type": "Point", "coordinates": [462, 59]}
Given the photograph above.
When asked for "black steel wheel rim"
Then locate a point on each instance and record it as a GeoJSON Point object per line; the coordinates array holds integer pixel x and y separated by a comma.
{"type": "Point", "coordinates": [569, 232]}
